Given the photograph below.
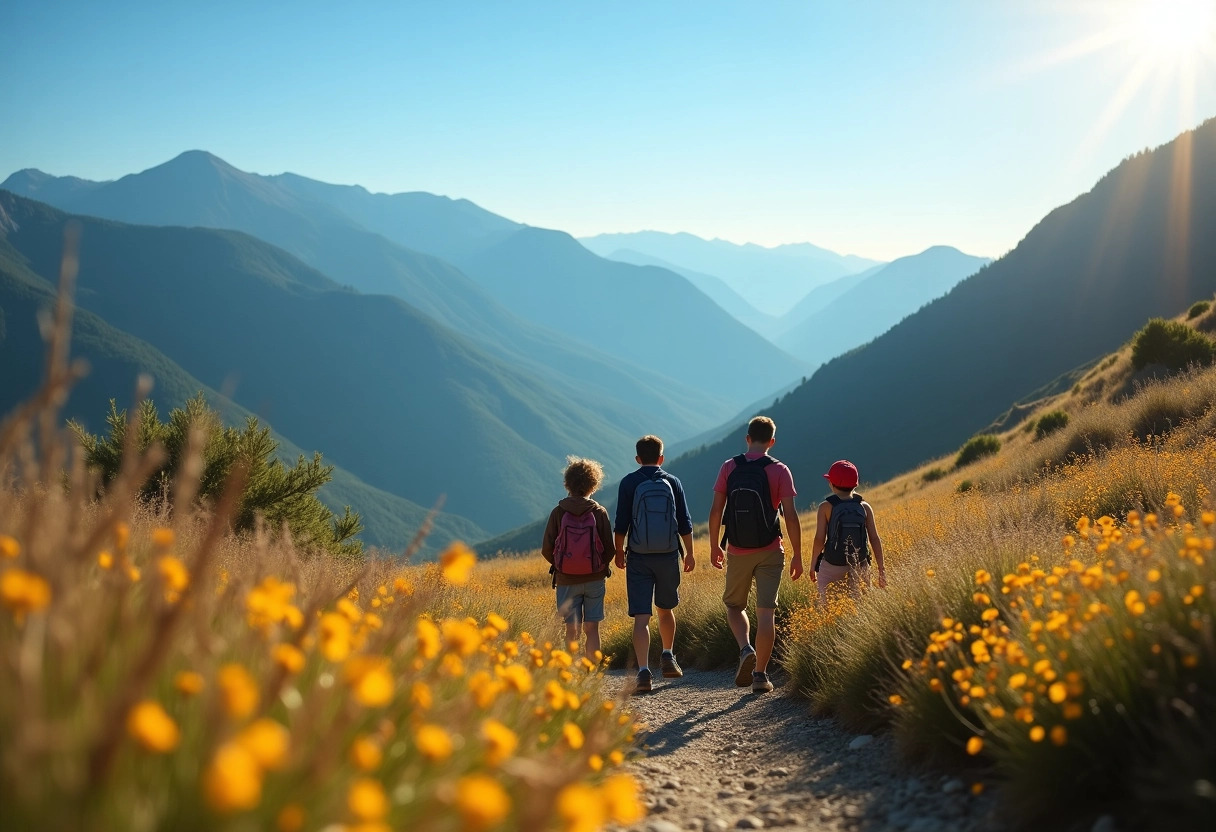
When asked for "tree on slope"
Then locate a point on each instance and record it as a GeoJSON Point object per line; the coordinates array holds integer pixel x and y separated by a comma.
{"type": "Point", "coordinates": [282, 496]}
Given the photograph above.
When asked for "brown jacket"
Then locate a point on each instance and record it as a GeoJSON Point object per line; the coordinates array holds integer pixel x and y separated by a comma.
{"type": "Point", "coordinates": [603, 525]}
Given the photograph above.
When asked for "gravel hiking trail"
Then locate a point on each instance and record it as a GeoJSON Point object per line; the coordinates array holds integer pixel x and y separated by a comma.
{"type": "Point", "coordinates": [718, 757]}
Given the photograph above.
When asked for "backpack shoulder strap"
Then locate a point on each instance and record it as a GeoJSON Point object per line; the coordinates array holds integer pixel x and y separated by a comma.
{"type": "Point", "coordinates": [833, 500]}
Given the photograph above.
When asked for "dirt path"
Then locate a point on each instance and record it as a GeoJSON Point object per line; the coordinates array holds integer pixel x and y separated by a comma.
{"type": "Point", "coordinates": [719, 757]}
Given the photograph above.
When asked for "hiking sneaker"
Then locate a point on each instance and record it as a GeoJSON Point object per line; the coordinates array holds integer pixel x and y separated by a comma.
{"type": "Point", "coordinates": [747, 663]}
{"type": "Point", "coordinates": [671, 668]}
{"type": "Point", "coordinates": [760, 682]}
{"type": "Point", "coordinates": [643, 682]}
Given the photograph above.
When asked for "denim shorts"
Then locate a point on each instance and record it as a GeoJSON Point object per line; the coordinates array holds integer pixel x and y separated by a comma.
{"type": "Point", "coordinates": [579, 603]}
{"type": "Point", "coordinates": [652, 578]}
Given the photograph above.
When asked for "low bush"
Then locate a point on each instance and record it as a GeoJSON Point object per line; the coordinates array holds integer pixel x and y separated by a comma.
{"type": "Point", "coordinates": [1172, 345]}
{"type": "Point", "coordinates": [934, 474]}
{"type": "Point", "coordinates": [977, 447]}
{"type": "Point", "coordinates": [1049, 423]}
{"type": "Point", "coordinates": [1198, 309]}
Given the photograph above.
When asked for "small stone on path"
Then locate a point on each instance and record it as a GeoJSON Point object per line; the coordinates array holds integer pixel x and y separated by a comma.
{"type": "Point", "coordinates": [749, 822]}
{"type": "Point", "coordinates": [661, 826]}
{"type": "Point", "coordinates": [953, 785]}
{"type": "Point", "coordinates": [716, 825]}
{"type": "Point", "coordinates": [861, 742]}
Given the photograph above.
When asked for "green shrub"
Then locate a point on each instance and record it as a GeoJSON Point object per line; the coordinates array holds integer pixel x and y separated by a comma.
{"type": "Point", "coordinates": [273, 491]}
{"type": "Point", "coordinates": [933, 474]}
{"type": "Point", "coordinates": [977, 447]}
{"type": "Point", "coordinates": [1198, 309]}
{"type": "Point", "coordinates": [1173, 345]}
{"type": "Point", "coordinates": [965, 486]}
{"type": "Point", "coordinates": [1049, 423]}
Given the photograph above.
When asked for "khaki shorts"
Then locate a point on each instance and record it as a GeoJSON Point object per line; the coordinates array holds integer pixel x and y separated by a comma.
{"type": "Point", "coordinates": [765, 567]}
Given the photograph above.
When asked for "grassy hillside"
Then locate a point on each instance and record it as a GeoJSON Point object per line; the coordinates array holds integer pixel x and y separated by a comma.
{"type": "Point", "coordinates": [115, 360]}
{"type": "Point", "coordinates": [1087, 274]}
{"type": "Point", "coordinates": [1047, 625]}
{"type": "Point", "coordinates": [198, 189]}
{"type": "Point", "coordinates": [370, 380]}
{"type": "Point", "coordinates": [192, 680]}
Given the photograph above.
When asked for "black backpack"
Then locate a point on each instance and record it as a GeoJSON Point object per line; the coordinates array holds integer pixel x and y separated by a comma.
{"type": "Point", "coordinates": [847, 538]}
{"type": "Point", "coordinates": [751, 520]}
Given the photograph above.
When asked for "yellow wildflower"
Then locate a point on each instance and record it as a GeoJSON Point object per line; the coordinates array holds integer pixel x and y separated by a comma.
{"type": "Point", "coordinates": [461, 637]}
{"type": "Point", "coordinates": [975, 745]}
{"type": "Point", "coordinates": [456, 563]}
{"type": "Point", "coordinates": [163, 537]}
{"type": "Point", "coordinates": [23, 592]}
{"type": "Point", "coordinates": [154, 729]}
{"type": "Point", "coordinates": [481, 801]}
{"type": "Point", "coordinates": [433, 742]}
{"type": "Point", "coordinates": [420, 695]}
{"type": "Point", "coordinates": [9, 547]}
{"type": "Point", "coordinates": [105, 560]}
{"type": "Point", "coordinates": [289, 657]}
{"type": "Point", "coordinates": [620, 798]}
{"type": "Point", "coordinates": [580, 808]}
{"type": "Point", "coordinates": [232, 780]}
{"type": "Point", "coordinates": [497, 622]}
{"type": "Point", "coordinates": [367, 800]}
{"type": "Point", "coordinates": [365, 753]}
{"type": "Point", "coordinates": [1059, 735]}
{"type": "Point", "coordinates": [1057, 693]}
{"type": "Point", "coordinates": [335, 636]}
{"type": "Point", "coordinates": [238, 690]}
{"type": "Point", "coordinates": [573, 734]}
{"type": "Point", "coordinates": [428, 638]}
{"type": "Point", "coordinates": [188, 683]}
{"type": "Point", "coordinates": [1037, 733]}
{"type": "Point", "coordinates": [595, 762]}
{"type": "Point", "coordinates": [173, 573]}
{"type": "Point", "coordinates": [516, 676]}
{"type": "Point", "coordinates": [500, 742]}
{"type": "Point", "coordinates": [267, 742]}
{"type": "Point", "coordinates": [370, 680]}
{"type": "Point", "coordinates": [616, 758]}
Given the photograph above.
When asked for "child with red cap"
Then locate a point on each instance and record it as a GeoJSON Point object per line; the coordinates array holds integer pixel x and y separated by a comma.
{"type": "Point", "coordinates": [844, 534]}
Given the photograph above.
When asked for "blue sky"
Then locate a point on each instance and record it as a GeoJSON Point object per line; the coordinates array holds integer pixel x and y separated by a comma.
{"type": "Point", "coordinates": [870, 128]}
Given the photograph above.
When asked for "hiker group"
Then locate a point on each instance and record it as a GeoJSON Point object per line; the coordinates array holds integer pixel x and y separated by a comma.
{"type": "Point", "coordinates": [651, 538]}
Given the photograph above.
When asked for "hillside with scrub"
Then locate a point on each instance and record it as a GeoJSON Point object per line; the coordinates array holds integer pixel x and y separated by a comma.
{"type": "Point", "coordinates": [1047, 629]}
{"type": "Point", "coordinates": [167, 665]}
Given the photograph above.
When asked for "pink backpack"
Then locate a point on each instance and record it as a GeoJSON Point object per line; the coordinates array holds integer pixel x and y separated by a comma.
{"type": "Point", "coordinates": [579, 549]}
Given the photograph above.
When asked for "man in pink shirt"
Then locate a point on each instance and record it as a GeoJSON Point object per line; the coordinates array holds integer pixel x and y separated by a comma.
{"type": "Point", "coordinates": [751, 492]}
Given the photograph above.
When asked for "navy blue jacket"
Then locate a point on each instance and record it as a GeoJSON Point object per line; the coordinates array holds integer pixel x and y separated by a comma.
{"type": "Point", "coordinates": [624, 500]}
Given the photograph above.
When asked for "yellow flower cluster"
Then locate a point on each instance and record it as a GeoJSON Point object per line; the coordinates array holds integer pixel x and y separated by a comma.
{"type": "Point", "coordinates": [1039, 649]}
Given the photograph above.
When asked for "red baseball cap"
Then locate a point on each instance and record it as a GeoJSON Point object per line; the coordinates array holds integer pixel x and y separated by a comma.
{"type": "Point", "coordinates": [842, 474]}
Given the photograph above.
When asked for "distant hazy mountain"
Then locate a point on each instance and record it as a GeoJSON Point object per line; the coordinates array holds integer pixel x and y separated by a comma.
{"type": "Point", "coordinates": [1140, 243]}
{"type": "Point", "coordinates": [116, 358]}
{"type": "Point", "coordinates": [408, 406]}
{"type": "Point", "coordinates": [651, 316]}
{"type": "Point", "coordinates": [876, 303]}
{"type": "Point", "coordinates": [772, 279]}
{"type": "Point", "coordinates": [545, 277]}
{"type": "Point", "coordinates": [198, 189]}
{"type": "Point", "coordinates": [715, 287]}
{"type": "Point", "coordinates": [818, 298]}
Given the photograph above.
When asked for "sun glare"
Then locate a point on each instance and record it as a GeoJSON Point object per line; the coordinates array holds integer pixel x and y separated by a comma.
{"type": "Point", "coordinates": [1171, 31]}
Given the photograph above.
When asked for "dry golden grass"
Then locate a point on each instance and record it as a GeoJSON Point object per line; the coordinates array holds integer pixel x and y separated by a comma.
{"type": "Point", "coordinates": [159, 673]}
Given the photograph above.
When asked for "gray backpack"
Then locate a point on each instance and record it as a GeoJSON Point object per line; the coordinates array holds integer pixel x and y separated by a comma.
{"type": "Point", "coordinates": [653, 530]}
{"type": "Point", "coordinates": [847, 539]}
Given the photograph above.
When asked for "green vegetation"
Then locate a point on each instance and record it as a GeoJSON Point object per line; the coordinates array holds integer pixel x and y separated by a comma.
{"type": "Point", "coordinates": [933, 474]}
{"type": "Point", "coordinates": [977, 447]}
{"type": "Point", "coordinates": [1198, 309]}
{"type": "Point", "coordinates": [282, 496]}
{"type": "Point", "coordinates": [1046, 630]}
{"type": "Point", "coordinates": [1049, 423]}
{"type": "Point", "coordinates": [1173, 345]}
